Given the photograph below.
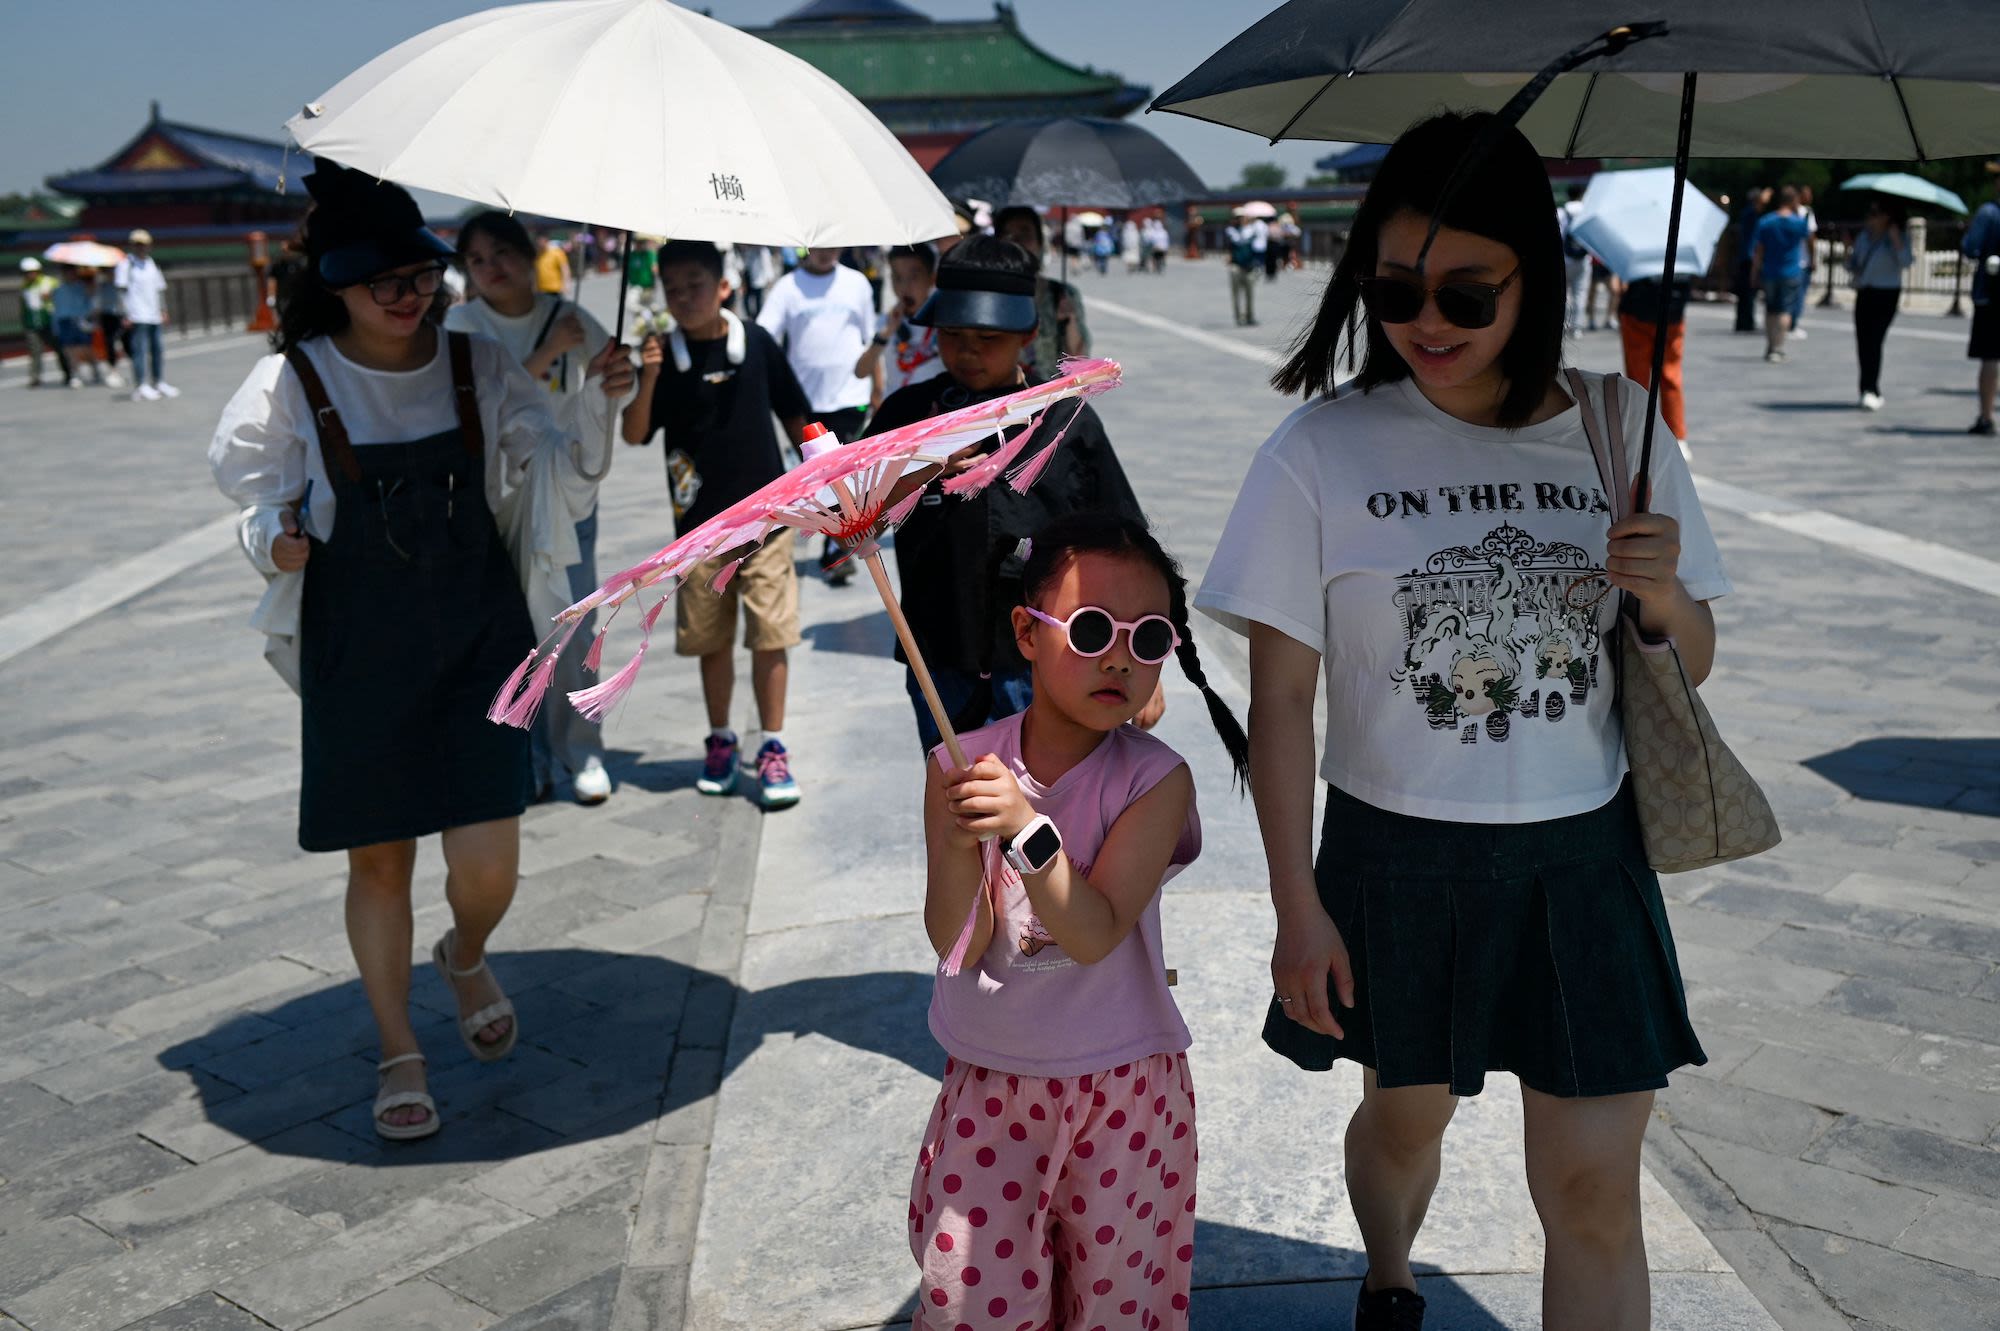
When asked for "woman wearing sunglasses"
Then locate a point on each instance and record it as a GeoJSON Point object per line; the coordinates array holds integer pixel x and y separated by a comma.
{"type": "Point", "coordinates": [360, 454]}
{"type": "Point", "coordinates": [1432, 535]}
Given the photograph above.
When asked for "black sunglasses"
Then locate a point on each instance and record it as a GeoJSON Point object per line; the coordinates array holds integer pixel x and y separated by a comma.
{"type": "Point", "coordinates": [1399, 300]}
{"type": "Point", "coordinates": [389, 290]}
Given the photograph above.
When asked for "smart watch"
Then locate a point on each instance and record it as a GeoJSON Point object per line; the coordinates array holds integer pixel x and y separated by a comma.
{"type": "Point", "coordinates": [1036, 846]}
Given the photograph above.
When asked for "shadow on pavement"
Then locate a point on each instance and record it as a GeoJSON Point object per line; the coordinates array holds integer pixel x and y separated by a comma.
{"type": "Point", "coordinates": [1245, 1278]}
{"type": "Point", "coordinates": [630, 768]}
{"type": "Point", "coordinates": [870, 635]}
{"type": "Point", "coordinates": [1958, 774]}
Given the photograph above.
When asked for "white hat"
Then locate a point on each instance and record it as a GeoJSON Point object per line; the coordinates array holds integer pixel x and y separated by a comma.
{"type": "Point", "coordinates": [140, 236]}
{"type": "Point", "coordinates": [31, 265]}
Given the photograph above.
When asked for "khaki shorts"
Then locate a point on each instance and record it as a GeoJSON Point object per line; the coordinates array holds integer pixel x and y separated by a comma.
{"type": "Point", "coordinates": [766, 586]}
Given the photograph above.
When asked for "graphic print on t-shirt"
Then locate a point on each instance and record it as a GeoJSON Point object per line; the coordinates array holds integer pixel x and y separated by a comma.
{"type": "Point", "coordinates": [1503, 629]}
{"type": "Point", "coordinates": [1032, 935]}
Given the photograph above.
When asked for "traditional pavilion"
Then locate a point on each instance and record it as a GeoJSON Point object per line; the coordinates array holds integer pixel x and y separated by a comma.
{"type": "Point", "coordinates": [179, 178]}
{"type": "Point", "coordinates": [934, 83]}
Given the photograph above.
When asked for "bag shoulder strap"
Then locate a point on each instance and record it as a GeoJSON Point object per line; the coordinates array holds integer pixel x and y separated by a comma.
{"type": "Point", "coordinates": [465, 395]}
{"type": "Point", "coordinates": [334, 445]}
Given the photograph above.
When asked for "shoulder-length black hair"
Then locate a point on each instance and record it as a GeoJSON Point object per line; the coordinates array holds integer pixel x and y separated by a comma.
{"type": "Point", "coordinates": [1504, 196]}
{"type": "Point", "coordinates": [503, 229]}
{"type": "Point", "coordinates": [307, 307]}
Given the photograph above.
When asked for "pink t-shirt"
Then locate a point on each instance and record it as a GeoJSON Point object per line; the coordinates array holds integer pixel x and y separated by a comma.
{"type": "Point", "coordinates": [1026, 1006]}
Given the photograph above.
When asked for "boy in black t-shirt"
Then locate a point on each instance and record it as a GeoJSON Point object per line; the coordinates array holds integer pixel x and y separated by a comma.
{"type": "Point", "coordinates": [711, 387]}
{"type": "Point", "coordinates": [950, 551]}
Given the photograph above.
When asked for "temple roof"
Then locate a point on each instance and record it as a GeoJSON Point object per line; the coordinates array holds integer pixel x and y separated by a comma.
{"type": "Point", "coordinates": [918, 73]}
{"type": "Point", "coordinates": [167, 156]}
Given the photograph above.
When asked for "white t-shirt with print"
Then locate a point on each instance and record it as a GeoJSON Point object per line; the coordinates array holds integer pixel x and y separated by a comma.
{"type": "Point", "coordinates": [1431, 563]}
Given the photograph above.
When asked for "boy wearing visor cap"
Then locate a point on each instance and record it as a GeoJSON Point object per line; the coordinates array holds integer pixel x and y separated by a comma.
{"type": "Point", "coordinates": [954, 555]}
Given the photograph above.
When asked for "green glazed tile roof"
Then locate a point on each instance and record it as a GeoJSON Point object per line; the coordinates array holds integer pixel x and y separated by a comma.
{"type": "Point", "coordinates": [951, 61]}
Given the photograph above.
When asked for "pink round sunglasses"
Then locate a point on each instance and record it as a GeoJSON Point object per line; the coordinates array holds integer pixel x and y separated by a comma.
{"type": "Point", "coordinates": [1091, 631]}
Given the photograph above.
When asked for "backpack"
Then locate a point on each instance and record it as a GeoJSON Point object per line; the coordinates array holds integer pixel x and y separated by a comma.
{"type": "Point", "coordinates": [1571, 249]}
{"type": "Point", "coordinates": [1242, 249]}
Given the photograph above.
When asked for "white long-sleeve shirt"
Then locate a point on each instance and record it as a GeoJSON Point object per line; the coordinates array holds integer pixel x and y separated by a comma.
{"type": "Point", "coordinates": [266, 449]}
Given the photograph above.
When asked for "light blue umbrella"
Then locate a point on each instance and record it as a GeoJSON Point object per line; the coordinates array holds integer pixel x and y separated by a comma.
{"type": "Point", "coordinates": [1914, 188]}
{"type": "Point", "coordinates": [1624, 223]}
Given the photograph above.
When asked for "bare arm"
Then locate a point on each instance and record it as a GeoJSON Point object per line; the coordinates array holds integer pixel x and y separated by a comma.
{"type": "Point", "coordinates": [637, 418]}
{"type": "Point", "coordinates": [1088, 917]}
{"type": "Point", "coordinates": [953, 879]}
{"type": "Point", "coordinates": [1284, 680]}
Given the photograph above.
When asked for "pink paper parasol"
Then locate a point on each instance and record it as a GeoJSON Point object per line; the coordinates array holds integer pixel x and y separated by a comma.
{"type": "Point", "coordinates": [848, 493]}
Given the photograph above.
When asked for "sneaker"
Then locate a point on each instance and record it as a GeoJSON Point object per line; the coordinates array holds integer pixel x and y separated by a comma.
{"type": "Point", "coordinates": [114, 380]}
{"type": "Point", "coordinates": [1796, 333]}
{"type": "Point", "coordinates": [1871, 402]}
{"type": "Point", "coordinates": [1774, 356]}
{"type": "Point", "coordinates": [145, 393]}
{"type": "Point", "coordinates": [1982, 426]}
{"type": "Point", "coordinates": [718, 773]}
{"type": "Point", "coordinates": [775, 787]}
{"type": "Point", "coordinates": [75, 382]}
{"type": "Point", "coordinates": [592, 785]}
{"type": "Point", "coordinates": [1388, 1309]}
{"type": "Point", "coordinates": [165, 389]}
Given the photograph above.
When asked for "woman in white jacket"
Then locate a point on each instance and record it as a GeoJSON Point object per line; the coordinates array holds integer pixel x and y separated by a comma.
{"type": "Point", "coordinates": [370, 455]}
{"type": "Point", "coordinates": [554, 340]}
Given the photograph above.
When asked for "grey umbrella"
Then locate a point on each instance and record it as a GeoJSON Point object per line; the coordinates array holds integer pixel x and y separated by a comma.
{"type": "Point", "coordinates": [1070, 162]}
{"type": "Point", "coordinates": [1775, 78]}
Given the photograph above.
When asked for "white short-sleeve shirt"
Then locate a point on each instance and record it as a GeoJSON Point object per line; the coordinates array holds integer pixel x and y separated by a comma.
{"type": "Point", "coordinates": [1437, 566]}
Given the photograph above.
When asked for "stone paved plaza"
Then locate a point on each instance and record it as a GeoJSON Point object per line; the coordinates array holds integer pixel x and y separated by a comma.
{"type": "Point", "coordinates": [711, 1117]}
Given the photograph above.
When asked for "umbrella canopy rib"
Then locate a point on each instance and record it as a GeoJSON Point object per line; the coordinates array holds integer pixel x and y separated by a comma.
{"type": "Point", "coordinates": [1308, 104]}
{"type": "Point", "coordinates": [1582, 109]}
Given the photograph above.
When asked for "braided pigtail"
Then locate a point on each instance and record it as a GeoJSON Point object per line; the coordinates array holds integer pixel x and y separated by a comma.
{"type": "Point", "coordinates": [1116, 534]}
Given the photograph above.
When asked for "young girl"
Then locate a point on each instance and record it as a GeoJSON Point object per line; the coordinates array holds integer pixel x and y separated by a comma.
{"type": "Point", "coordinates": [554, 339]}
{"type": "Point", "coordinates": [369, 455]}
{"type": "Point", "coordinates": [1435, 538]}
{"type": "Point", "coordinates": [1055, 1185]}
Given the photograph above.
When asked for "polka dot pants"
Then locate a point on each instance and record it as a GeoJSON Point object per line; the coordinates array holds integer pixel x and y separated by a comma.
{"type": "Point", "coordinates": [1057, 1202]}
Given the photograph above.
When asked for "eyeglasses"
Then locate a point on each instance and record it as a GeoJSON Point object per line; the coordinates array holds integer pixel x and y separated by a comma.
{"type": "Point", "coordinates": [389, 290]}
{"type": "Point", "coordinates": [1091, 632]}
{"type": "Point", "coordinates": [1398, 300]}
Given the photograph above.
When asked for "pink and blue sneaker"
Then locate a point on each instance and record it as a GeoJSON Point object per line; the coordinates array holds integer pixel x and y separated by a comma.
{"type": "Point", "coordinates": [776, 789]}
{"type": "Point", "coordinates": [718, 772]}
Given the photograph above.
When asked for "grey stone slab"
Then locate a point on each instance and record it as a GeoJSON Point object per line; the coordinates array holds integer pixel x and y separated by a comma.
{"type": "Point", "coordinates": [1966, 902]}
{"type": "Point", "coordinates": [352, 1265]}
{"type": "Point", "coordinates": [1714, 929]}
{"type": "Point", "coordinates": [688, 1118]}
{"type": "Point", "coordinates": [247, 1171]}
{"type": "Point", "coordinates": [669, 1207]}
{"type": "Point", "coordinates": [23, 1102]}
{"type": "Point", "coordinates": [394, 1175]}
{"type": "Point", "coordinates": [1978, 941]}
{"type": "Point", "coordinates": [1890, 1097]}
{"type": "Point", "coordinates": [1713, 970]}
{"type": "Point", "coordinates": [203, 1312]}
{"type": "Point", "coordinates": [202, 1130]}
{"type": "Point", "coordinates": [1706, 1199]}
{"type": "Point", "coordinates": [1922, 968]}
{"type": "Point", "coordinates": [541, 1259]}
{"type": "Point", "coordinates": [648, 1297]}
{"type": "Point", "coordinates": [1918, 1009]}
{"type": "Point", "coordinates": [214, 998]}
{"type": "Point", "coordinates": [545, 1182]}
{"type": "Point", "coordinates": [1773, 1123]}
{"type": "Point", "coordinates": [1907, 1155]}
{"type": "Point", "coordinates": [177, 1050]}
{"type": "Point", "coordinates": [586, 1095]}
{"type": "Point", "coordinates": [120, 1289]}
{"type": "Point", "coordinates": [1889, 1287]}
{"type": "Point", "coordinates": [420, 1305]}
{"type": "Point", "coordinates": [1956, 1232]}
{"type": "Point", "coordinates": [1780, 1284]}
{"type": "Point", "coordinates": [64, 1186]}
{"type": "Point", "coordinates": [1479, 1302]}
{"type": "Point", "coordinates": [1806, 1193]}
{"type": "Point", "coordinates": [585, 1306]}
{"type": "Point", "coordinates": [1970, 1064]}
{"type": "Point", "coordinates": [36, 1254]}
{"type": "Point", "coordinates": [103, 1119]}
{"type": "Point", "coordinates": [32, 1051]}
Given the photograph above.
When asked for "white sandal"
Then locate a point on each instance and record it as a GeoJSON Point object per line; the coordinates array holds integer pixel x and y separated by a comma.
{"type": "Point", "coordinates": [386, 1101]}
{"type": "Point", "coordinates": [469, 1027]}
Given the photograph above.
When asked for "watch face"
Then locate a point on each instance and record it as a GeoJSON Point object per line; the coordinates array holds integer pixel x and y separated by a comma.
{"type": "Point", "coordinates": [1042, 846]}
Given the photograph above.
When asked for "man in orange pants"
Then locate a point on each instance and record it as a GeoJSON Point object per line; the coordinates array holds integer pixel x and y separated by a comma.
{"type": "Point", "coordinates": [1638, 324]}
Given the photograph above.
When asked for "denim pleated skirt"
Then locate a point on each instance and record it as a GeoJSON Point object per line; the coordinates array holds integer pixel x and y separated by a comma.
{"type": "Point", "coordinates": [1540, 949]}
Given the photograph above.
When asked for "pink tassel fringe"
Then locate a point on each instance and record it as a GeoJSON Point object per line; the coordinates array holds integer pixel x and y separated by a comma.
{"type": "Point", "coordinates": [993, 870]}
{"type": "Point", "coordinates": [594, 659]}
{"type": "Point", "coordinates": [595, 701]}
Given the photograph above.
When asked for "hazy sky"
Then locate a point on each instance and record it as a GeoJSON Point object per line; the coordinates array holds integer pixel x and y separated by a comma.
{"type": "Point", "coordinates": [246, 65]}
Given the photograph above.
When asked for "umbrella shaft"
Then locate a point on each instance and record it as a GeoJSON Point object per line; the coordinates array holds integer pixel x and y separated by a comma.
{"type": "Point", "coordinates": [1642, 495]}
{"type": "Point", "coordinates": [916, 659]}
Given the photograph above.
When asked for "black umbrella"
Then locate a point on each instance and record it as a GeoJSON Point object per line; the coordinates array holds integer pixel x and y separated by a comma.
{"type": "Point", "coordinates": [1072, 162]}
{"type": "Point", "coordinates": [1776, 78]}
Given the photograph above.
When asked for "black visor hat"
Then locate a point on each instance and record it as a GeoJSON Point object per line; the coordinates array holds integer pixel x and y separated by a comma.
{"type": "Point", "coordinates": [979, 298]}
{"type": "Point", "coordinates": [362, 227]}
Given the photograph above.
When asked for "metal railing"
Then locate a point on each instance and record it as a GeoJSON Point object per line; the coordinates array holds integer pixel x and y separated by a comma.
{"type": "Point", "coordinates": [200, 298]}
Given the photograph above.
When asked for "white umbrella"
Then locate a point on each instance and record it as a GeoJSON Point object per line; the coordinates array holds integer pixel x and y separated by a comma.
{"type": "Point", "coordinates": [1256, 209]}
{"type": "Point", "coordinates": [1624, 223]}
{"type": "Point", "coordinates": [634, 114]}
{"type": "Point", "coordinates": [83, 254]}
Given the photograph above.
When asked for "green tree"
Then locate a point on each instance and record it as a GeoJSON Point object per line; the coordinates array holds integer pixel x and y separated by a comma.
{"type": "Point", "coordinates": [1262, 175]}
